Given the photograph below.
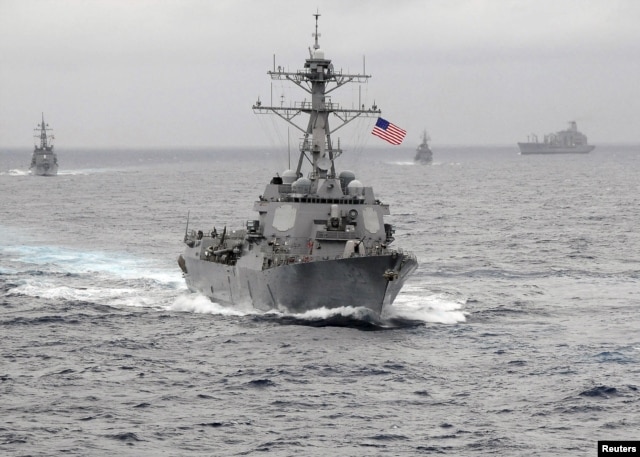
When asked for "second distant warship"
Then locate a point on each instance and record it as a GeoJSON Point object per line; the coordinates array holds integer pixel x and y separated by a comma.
{"type": "Point", "coordinates": [568, 141]}
{"type": "Point", "coordinates": [44, 161]}
{"type": "Point", "coordinates": [424, 154]}
{"type": "Point", "coordinates": [319, 240]}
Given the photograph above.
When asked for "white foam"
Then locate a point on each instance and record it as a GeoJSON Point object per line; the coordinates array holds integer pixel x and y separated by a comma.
{"type": "Point", "coordinates": [402, 163]}
{"type": "Point", "coordinates": [427, 307]}
{"type": "Point", "coordinates": [65, 172]}
{"type": "Point", "coordinates": [16, 172]}
{"type": "Point", "coordinates": [82, 172]}
{"type": "Point", "coordinates": [112, 279]}
{"type": "Point", "coordinates": [414, 306]}
{"type": "Point", "coordinates": [50, 290]}
{"type": "Point", "coordinates": [199, 304]}
{"type": "Point", "coordinates": [59, 259]}
{"type": "Point", "coordinates": [325, 313]}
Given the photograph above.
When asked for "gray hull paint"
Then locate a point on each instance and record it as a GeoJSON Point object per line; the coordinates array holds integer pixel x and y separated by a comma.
{"type": "Point", "coordinates": [319, 240]}
{"type": "Point", "coordinates": [541, 148]}
{"type": "Point", "coordinates": [44, 161]}
{"type": "Point", "coordinates": [424, 154]}
{"type": "Point", "coordinates": [300, 287]}
{"type": "Point", "coordinates": [41, 170]}
{"type": "Point", "coordinates": [569, 141]}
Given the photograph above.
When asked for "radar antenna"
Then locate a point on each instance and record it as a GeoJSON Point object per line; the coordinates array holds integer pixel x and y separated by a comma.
{"type": "Point", "coordinates": [316, 34]}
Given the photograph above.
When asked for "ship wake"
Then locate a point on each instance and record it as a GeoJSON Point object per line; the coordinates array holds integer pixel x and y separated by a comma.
{"type": "Point", "coordinates": [412, 308]}
{"type": "Point", "coordinates": [60, 274]}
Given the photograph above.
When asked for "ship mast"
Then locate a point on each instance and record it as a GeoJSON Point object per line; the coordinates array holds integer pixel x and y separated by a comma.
{"type": "Point", "coordinates": [318, 78]}
{"type": "Point", "coordinates": [43, 129]}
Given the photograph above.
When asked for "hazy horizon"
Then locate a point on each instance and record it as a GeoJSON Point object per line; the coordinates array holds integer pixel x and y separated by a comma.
{"type": "Point", "coordinates": [184, 74]}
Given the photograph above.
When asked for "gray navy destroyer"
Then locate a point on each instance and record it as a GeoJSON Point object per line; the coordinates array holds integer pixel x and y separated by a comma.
{"type": "Point", "coordinates": [424, 154]}
{"type": "Point", "coordinates": [44, 161]}
{"type": "Point", "coordinates": [568, 141]}
{"type": "Point", "coordinates": [318, 241]}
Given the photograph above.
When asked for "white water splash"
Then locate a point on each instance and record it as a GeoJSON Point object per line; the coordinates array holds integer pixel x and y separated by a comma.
{"type": "Point", "coordinates": [82, 171]}
{"type": "Point", "coordinates": [416, 304]}
{"type": "Point", "coordinates": [64, 260]}
{"type": "Point", "coordinates": [412, 306]}
{"type": "Point", "coordinates": [16, 172]}
{"type": "Point", "coordinates": [359, 313]}
{"type": "Point", "coordinates": [199, 304]}
{"type": "Point", "coordinates": [113, 279]}
{"type": "Point", "coordinates": [403, 163]}
{"type": "Point", "coordinates": [49, 289]}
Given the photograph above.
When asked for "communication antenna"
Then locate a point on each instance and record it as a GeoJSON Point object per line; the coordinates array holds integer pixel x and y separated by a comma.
{"type": "Point", "coordinates": [289, 148]}
{"type": "Point", "coordinates": [316, 34]}
{"type": "Point", "coordinates": [186, 230]}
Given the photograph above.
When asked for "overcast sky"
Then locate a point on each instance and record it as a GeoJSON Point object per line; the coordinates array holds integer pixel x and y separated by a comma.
{"type": "Point", "coordinates": [182, 73]}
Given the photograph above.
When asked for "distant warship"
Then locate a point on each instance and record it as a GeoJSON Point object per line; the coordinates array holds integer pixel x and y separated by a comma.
{"type": "Point", "coordinates": [319, 240]}
{"type": "Point", "coordinates": [424, 154]}
{"type": "Point", "coordinates": [44, 161]}
{"type": "Point", "coordinates": [568, 141]}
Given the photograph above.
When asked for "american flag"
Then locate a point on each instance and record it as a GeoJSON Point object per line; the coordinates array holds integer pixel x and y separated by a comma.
{"type": "Point", "coordinates": [388, 132]}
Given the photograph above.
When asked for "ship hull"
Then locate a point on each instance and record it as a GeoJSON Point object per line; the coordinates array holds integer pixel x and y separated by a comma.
{"type": "Point", "coordinates": [44, 162]}
{"type": "Point", "coordinates": [41, 170]}
{"type": "Point", "coordinates": [542, 148]}
{"type": "Point", "coordinates": [371, 282]}
{"type": "Point", "coordinates": [424, 160]}
{"type": "Point", "coordinates": [424, 155]}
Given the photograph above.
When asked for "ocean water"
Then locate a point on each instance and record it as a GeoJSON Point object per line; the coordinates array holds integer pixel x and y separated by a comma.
{"type": "Point", "coordinates": [518, 335]}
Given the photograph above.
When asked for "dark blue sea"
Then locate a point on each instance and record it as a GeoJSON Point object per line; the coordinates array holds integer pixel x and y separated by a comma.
{"type": "Point", "coordinates": [519, 334]}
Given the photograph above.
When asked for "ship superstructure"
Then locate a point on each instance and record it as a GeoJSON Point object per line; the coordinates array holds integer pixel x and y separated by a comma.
{"type": "Point", "coordinates": [569, 141]}
{"type": "Point", "coordinates": [319, 239]}
{"type": "Point", "coordinates": [44, 161]}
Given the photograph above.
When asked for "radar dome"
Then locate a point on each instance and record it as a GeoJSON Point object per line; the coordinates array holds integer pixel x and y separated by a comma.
{"type": "Point", "coordinates": [355, 187]}
{"type": "Point", "coordinates": [318, 54]}
{"type": "Point", "coordinates": [301, 186]}
{"type": "Point", "coordinates": [288, 176]}
{"type": "Point", "coordinates": [346, 177]}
